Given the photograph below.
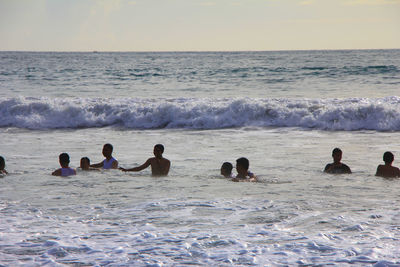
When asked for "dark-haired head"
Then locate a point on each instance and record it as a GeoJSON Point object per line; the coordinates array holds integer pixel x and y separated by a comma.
{"type": "Point", "coordinates": [85, 163]}
{"type": "Point", "coordinates": [226, 169]}
{"type": "Point", "coordinates": [243, 162]}
{"type": "Point", "coordinates": [64, 159]}
{"type": "Point", "coordinates": [107, 150]}
{"type": "Point", "coordinates": [159, 147]}
{"type": "Point", "coordinates": [336, 151]}
{"type": "Point", "coordinates": [388, 157]}
{"type": "Point", "coordinates": [2, 163]}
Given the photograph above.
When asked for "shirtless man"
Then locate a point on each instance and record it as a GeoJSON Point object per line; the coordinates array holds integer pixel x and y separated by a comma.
{"type": "Point", "coordinates": [109, 162]}
{"type": "Point", "coordinates": [159, 165]}
{"type": "Point", "coordinates": [337, 167]}
{"type": "Point", "coordinates": [387, 170]}
{"type": "Point", "coordinates": [242, 168]}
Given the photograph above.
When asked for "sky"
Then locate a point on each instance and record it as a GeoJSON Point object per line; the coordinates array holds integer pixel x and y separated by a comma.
{"type": "Point", "coordinates": [198, 25]}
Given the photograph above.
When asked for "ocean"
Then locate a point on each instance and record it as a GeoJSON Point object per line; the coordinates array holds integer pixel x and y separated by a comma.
{"type": "Point", "coordinates": [285, 111]}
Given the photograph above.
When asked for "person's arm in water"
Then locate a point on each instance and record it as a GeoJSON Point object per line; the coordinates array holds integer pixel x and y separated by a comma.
{"type": "Point", "coordinates": [347, 169]}
{"type": "Point", "coordinates": [137, 169]}
{"type": "Point", "coordinates": [328, 168]}
{"type": "Point", "coordinates": [166, 167]}
{"type": "Point", "coordinates": [57, 172]}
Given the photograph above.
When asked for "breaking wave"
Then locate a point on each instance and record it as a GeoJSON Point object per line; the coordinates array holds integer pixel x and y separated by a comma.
{"type": "Point", "coordinates": [382, 114]}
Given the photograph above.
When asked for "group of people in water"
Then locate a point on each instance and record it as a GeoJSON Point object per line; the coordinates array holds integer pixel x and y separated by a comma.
{"type": "Point", "coordinates": [384, 170]}
{"type": "Point", "coordinates": [160, 166]}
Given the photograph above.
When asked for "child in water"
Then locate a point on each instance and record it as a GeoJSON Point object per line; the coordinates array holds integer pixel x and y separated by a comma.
{"type": "Point", "coordinates": [226, 170]}
{"type": "Point", "coordinates": [2, 166]}
{"type": "Point", "coordinates": [65, 170]}
{"type": "Point", "coordinates": [85, 165]}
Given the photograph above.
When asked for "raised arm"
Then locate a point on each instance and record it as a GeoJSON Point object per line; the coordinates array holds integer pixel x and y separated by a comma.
{"type": "Point", "coordinates": [137, 169]}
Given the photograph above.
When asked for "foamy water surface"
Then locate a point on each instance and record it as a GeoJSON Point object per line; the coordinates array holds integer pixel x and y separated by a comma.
{"type": "Point", "coordinates": [284, 111]}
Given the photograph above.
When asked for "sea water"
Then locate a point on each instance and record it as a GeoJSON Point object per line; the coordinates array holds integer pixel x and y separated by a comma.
{"type": "Point", "coordinates": [284, 111]}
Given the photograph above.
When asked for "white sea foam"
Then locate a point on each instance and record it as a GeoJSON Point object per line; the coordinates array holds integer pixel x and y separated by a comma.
{"type": "Point", "coordinates": [381, 114]}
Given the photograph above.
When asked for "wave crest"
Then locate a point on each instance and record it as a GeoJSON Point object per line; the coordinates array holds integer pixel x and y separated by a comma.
{"type": "Point", "coordinates": [381, 114]}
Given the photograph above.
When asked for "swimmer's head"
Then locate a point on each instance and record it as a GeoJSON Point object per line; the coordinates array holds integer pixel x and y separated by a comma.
{"type": "Point", "coordinates": [64, 159]}
{"type": "Point", "coordinates": [158, 150]}
{"type": "Point", "coordinates": [226, 169]}
{"type": "Point", "coordinates": [2, 163]}
{"type": "Point", "coordinates": [388, 157]}
{"type": "Point", "coordinates": [242, 165]}
{"type": "Point", "coordinates": [85, 163]}
{"type": "Point", "coordinates": [107, 150]}
{"type": "Point", "coordinates": [337, 154]}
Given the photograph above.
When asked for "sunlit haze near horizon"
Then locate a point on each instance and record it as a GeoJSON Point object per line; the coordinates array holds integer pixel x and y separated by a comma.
{"type": "Point", "coordinates": [198, 25]}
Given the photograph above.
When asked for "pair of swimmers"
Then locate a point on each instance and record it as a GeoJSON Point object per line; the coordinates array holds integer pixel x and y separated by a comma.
{"type": "Point", "coordinates": [386, 170]}
{"type": "Point", "coordinates": [159, 165]}
{"type": "Point", "coordinates": [242, 168]}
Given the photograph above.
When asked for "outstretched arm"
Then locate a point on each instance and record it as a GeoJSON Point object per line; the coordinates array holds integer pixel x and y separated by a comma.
{"type": "Point", "coordinates": [136, 169]}
{"type": "Point", "coordinates": [98, 165]}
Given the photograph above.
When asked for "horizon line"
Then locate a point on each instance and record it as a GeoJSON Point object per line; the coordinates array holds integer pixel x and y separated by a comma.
{"type": "Point", "coordinates": [193, 51]}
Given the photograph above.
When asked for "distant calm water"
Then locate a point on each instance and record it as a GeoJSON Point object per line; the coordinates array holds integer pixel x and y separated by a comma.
{"type": "Point", "coordinates": [285, 111]}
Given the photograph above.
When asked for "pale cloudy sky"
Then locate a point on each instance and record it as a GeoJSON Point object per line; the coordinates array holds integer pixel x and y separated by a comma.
{"type": "Point", "coordinates": [198, 25]}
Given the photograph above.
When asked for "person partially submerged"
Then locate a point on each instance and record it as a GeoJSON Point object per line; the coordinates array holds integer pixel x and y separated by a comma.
{"type": "Point", "coordinates": [226, 170]}
{"type": "Point", "coordinates": [159, 165]}
{"type": "Point", "coordinates": [337, 167]}
{"type": "Point", "coordinates": [85, 165]}
{"type": "Point", "coordinates": [2, 166]}
{"type": "Point", "coordinates": [242, 168]}
{"type": "Point", "coordinates": [387, 170]}
{"type": "Point", "coordinates": [109, 162]}
{"type": "Point", "coordinates": [65, 170]}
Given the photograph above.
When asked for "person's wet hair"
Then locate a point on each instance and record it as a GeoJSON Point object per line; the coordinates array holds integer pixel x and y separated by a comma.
{"type": "Point", "coordinates": [159, 147]}
{"type": "Point", "coordinates": [109, 146]}
{"type": "Point", "coordinates": [2, 163]}
{"type": "Point", "coordinates": [336, 150]}
{"type": "Point", "coordinates": [227, 166]}
{"type": "Point", "coordinates": [388, 157]}
{"type": "Point", "coordinates": [86, 159]}
{"type": "Point", "coordinates": [64, 158]}
{"type": "Point", "coordinates": [243, 162]}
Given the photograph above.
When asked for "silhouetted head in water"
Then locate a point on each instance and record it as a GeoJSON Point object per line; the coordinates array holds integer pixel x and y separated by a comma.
{"type": "Point", "coordinates": [242, 167]}
{"type": "Point", "coordinates": [337, 155]}
{"type": "Point", "coordinates": [64, 160]}
{"type": "Point", "coordinates": [158, 150]}
{"type": "Point", "coordinates": [226, 169]}
{"type": "Point", "coordinates": [388, 157]}
{"type": "Point", "coordinates": [107, 151]}
{"type": "Point", "coordinates": [85, 163]}
{"type": "Point", "coordinates": [2, 163]}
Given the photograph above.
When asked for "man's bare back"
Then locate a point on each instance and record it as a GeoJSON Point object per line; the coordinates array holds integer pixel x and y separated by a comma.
{"type": "Point", "coordinates": [387, 171]}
